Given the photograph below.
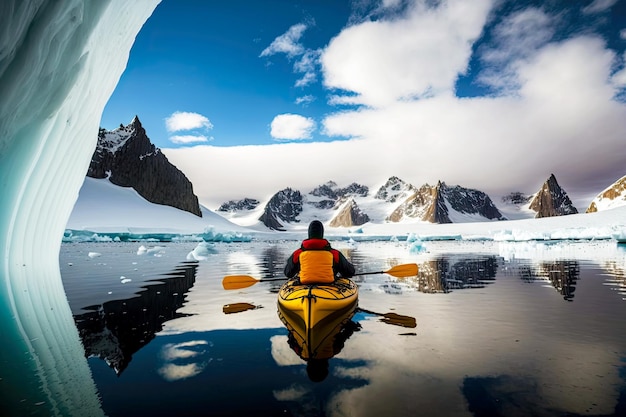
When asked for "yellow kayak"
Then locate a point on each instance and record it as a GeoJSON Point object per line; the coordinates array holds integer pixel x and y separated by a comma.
{"type": "Point", "coordinates": [322, 341]}
{"type": "Point", "coordinates": [312, 303]}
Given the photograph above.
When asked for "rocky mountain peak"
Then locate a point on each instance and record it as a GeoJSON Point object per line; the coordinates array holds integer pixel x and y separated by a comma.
{"type": "Point", "coordinates": [285, 206]}
{"type": "Point", "coordinates": [349, 215]}
{"type": "Point", "coordinates": [127, 157]}
{"type": "Point", "coordinates": [394, 190]}
{"type": "Point", "coordinates": [239, 205]}
{"type": "Point", "coordinates": [516, 197]}
{"type": "Point", "coordinates": [551, 200]}
{"type": "Point", "coordinates": [331, 191]}
{"type": "Point", "coordinates": [436, 204]}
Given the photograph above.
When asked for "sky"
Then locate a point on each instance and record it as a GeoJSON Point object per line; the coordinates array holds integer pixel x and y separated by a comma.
{"type": "Point", "coordinates": [250, 97]}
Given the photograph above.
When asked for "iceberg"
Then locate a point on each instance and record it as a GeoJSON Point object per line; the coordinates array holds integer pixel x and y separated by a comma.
{"type": "Point", "coordinates": [59, 64]}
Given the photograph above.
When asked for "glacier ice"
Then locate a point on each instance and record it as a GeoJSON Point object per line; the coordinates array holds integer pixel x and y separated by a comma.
{"type": "Point", "coordinates": [59, 64]}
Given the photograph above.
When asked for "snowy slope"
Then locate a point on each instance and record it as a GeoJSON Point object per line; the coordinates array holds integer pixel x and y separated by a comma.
{"type": "Point", "coordinates": [105, 207]}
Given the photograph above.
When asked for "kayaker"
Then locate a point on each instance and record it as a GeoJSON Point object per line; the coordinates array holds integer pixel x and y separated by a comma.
{"type": "Point", "coordinates": [316, 261]}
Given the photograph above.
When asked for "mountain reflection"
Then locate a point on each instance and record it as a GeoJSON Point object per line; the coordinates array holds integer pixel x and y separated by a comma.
{"type": "Point", "coordinates": [115, 330]}
{"type": "Point", "coordinates": [561, 274]}
{"type": "Point", "coordinates": [443, 274]}
{"type": "Point", "coordinates": [616, 278]}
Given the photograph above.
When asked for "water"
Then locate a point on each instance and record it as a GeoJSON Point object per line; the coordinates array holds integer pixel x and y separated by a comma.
{"type": "Point", "coordinates": [508, 329]}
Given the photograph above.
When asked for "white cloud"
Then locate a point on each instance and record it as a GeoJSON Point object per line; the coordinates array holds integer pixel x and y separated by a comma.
{"type": "Point", "coordinates": [187, 139]}
{"type": "Point", "coordinates": [287, 43]}
{"type": "Point", "coordinates": [416, 55]}
{"type": "Point", "coordinates": [180, 120]}
{"type": "Point", "coordinates": [292, 127]}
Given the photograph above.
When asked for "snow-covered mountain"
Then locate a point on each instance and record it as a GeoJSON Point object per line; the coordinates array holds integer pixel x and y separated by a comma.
{"type": "Point", "coordinates": [444, 204]}
{"type": "Point", "coordinates": [105, 211]}
{"type": "Point", "coordinates": [125, 157]}
{"type": "Point", "coordinates": [395, 201]}
{"type": "Point", "coordinates": [611, 197]}
{"type": "Point", "coordinates": [128, 158]}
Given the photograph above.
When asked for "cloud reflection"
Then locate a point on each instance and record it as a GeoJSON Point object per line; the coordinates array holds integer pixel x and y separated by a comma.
{"type": "Point", "coordinates": [182, 351]}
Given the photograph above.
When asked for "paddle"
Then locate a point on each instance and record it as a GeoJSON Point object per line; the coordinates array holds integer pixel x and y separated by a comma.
{"type": "Point", "coordinates": [236, 282]}
{"type": "Point", "coordinates": [400, 271]}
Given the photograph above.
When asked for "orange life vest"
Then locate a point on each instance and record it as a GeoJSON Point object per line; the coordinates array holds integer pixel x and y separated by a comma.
{"type": "Point", "coordinates": [316, 259]}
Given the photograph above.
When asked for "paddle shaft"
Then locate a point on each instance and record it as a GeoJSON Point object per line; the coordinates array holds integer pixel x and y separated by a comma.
{"type": "Point", "coordinates": [234, 282]}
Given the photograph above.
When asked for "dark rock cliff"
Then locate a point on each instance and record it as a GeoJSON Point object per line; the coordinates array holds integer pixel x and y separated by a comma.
{"type": "Point", "coordinates": [129, 159]}
{"type": "Point", "coordinates": [285, 205]}
{"type": "Point", "coordinates": [552, 200]}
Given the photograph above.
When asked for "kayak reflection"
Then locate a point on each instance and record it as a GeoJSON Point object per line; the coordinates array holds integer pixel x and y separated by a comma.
{"type": "Point", "coordinates": [317, 344]}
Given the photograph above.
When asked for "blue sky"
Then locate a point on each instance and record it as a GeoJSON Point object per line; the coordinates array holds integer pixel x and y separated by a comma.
{"type": "Point", "coordinates": [207, 58]}
{"type": "Point", "coordinates": [489, 94]}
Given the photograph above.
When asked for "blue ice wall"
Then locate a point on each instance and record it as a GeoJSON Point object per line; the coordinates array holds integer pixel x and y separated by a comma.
{"type": "Point", "coordinates": [59, 64]}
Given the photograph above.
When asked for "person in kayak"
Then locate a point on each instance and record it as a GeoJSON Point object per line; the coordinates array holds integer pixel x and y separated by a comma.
{"type": "Point", "coordinates": [316, 261]}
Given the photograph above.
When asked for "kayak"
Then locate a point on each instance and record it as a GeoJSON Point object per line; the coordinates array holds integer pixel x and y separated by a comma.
{"type": "Point", "coordinates": [325, 339]}
{"type": "Point", "coordinates": [312, 303]}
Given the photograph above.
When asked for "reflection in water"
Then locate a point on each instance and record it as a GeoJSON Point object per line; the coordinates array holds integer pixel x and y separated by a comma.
{"type": "Point", "coordinates": [512, 349]}
{"type": "Point", "coordinates": [443, 274]}
{"type": "Point", "coordinates": [272, 262]}
{"type": "Point", "coordinates": [508, 395]}
{"type": "Point", "coordinates": [117, 329]}
{"type": "Point", "coordinates": [238, 307]}
{"type": "Point", "coordinates": [318, 344]}
{"type": "Point", "coordinates": [617, 280]}
{"type": "Point", "coordinates": [562, 275]}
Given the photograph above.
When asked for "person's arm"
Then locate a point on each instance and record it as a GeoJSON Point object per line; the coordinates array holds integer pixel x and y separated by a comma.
{"type": "Point", "coordinates": [291, 268]}
{"type": "Point", "coordinates": [344, 267]}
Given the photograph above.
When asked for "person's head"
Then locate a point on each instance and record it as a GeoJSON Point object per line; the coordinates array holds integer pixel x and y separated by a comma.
{"type": "Point", "coordinates": [316, 230]}
{"type": "Point", "coordinates": [317, 369]}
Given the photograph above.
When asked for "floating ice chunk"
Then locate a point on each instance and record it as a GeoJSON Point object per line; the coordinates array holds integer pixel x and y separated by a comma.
{"type": "Point", "coordinates": [201, 252]}
{"type": "Point", "coordinates": [155, 250]}
{"type": "Point", "coordinates": [94, 254]}
{"type": "Point", "coordinates": [620, 236]}
{"type": "Point", "coordinates": [211, 235]}
{"type": "Point", "coordinates": [124, 280]}
{"type": "Point", "coordinates": [417, 246]}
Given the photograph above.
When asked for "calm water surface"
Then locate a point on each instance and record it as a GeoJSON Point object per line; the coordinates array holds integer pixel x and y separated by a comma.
{"type": "Point", "coordinates": [502, 329]}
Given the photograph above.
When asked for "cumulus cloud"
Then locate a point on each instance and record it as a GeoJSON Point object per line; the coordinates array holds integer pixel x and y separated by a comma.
{"type": "Point", "coordinates": [180, 120]}
{"type": "Point", "coordinates": [292, 127]}
{"type": "Point", "coordinates": [288, 43]}
{"type": "Point", "coordinates": [415, 55]}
